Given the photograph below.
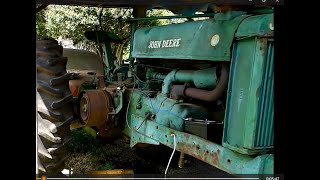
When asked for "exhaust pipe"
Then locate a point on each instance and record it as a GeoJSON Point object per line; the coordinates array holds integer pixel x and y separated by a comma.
{"type": "Point", "coordinates": [204, 95]}
{"type": "Point", "coordinates": [204, 78]}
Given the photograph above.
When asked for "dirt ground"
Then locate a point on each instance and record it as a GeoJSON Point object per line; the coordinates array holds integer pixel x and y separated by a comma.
{"type": "Point", "coordinates": [158, 158]}
{"type": "Point", "coordinates": [117, 154]}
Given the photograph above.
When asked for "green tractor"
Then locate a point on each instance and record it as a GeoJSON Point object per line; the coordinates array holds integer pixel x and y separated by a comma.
{"type": "Point", "coordinates": [201, 87]}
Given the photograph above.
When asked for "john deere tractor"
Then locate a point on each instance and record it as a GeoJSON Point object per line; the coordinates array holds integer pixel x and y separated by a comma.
{"type": "Point", "coordinates": [201, 87]}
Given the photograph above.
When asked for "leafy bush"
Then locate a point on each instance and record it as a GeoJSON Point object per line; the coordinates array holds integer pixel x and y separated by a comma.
{"type": "Point", "coordinates": [107, 166]}
{"type": "Point", "coordinates": [82, 142]}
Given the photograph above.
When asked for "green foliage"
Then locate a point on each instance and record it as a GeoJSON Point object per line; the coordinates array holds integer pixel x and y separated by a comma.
{"type": "Point", "coordinates": [107, 166]}
{"type": "Point", "coordinates": [41, 24]}
{"type": "Point", "coordinates": [156, 22]}
{"type": "Point", "coordinates": [70, 22]}
{"type": "Point", "coordinates": [82, 142]}
{"type": "Point", "coordinates": [90, 131]}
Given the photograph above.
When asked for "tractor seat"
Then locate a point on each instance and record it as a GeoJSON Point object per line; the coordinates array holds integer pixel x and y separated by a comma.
{"type": "Point", "coordinates": [102, 36]}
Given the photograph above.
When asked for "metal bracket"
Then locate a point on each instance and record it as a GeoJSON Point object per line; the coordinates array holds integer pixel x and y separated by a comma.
{"type": "Point", "coordinates": [207, 151]}
{"type": "Point", "coordinates": [119, 92]}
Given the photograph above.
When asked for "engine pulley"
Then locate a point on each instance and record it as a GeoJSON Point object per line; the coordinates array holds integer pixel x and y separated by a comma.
{"type": "Point", "coordinates": [94, 109]}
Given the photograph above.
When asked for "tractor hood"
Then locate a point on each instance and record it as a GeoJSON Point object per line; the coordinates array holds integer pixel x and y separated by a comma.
{"type": "Point", "coordinates": [197, 40]}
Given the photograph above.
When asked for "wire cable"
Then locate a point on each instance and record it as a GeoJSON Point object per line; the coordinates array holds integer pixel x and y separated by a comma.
{"type": "Point", "coordinates": [174, 149]}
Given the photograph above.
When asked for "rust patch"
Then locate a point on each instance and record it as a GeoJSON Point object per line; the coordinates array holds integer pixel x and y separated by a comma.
{"type": "Point", "coordinates": [74, 87]}
{"type": "Point", "coordinates": [224, 8]}
{"type": "Point", "coordinates": [171, 131]}
{"type": "Point", "coordinates": [80, 78]}
{"type": "Point", "coordinates": [186, 135]}
{"type": "Point", "coordinates": [101, 83]}
{"type": "Point", "coordinates": [257, 92]}
{"type": "Point", "coordinates": [195, 150]}
{"type": "Point", "coordinates": [183, 147]}
{"type": "Point", "coordinates": [263, 47]}
{"type": "Point", "coordinates": [94, 108]}
{"type": "Point", "coordinates": [215, 158]}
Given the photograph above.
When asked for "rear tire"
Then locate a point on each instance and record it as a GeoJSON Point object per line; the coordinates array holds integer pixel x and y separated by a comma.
{"type": "Point", "coordinates": [54, 106]}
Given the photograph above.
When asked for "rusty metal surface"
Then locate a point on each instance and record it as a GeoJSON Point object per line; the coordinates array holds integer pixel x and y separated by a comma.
{"type": "Point", "coordinates": [207, 151]}
{"type": "Point", "coordinates": [101, 83]}
{"type": "Point", "coordinates": [181, 160]}
{"type": "Point", "coordinates": [80, 78]}
{"type": "Point", "coordinates": [94, 108]}
{"type": "Point", "coordinates": [177, 91]}
{"type": "Point", "coordinates": [86, 66]}
{"type": "Point", "coordinates": [74, 86]}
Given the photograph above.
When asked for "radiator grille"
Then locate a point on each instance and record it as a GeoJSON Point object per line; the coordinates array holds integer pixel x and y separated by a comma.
{"type": "Point", "coordinates": [265, 131]}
